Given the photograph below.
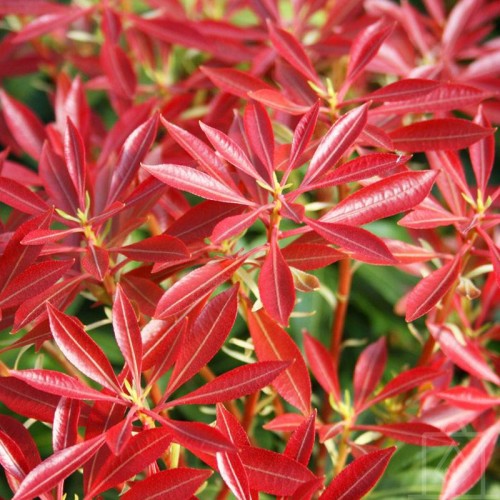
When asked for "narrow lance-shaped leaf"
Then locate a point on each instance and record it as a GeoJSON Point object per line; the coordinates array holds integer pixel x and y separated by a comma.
{"type": "Point", "coordinates": [468, 398]}
{"type": "Point", "coordinates": [336, 142]}
{"type": "Point", "coordinates": [161, 248]}
{"type": "Point", "coordinates": [96, 261]}
{"type": "Point", "coordinates": [195, 182]}
{"type": "Point", "coordinates": [142, 450]}
{"type": "Point", "coordinates": [482, 153]}
{"type": "Point", "coordinates": [369, 370]}
{"type": "Point", "coordinates": [128, 334]}
{"type": "Point", "coordinates": [469, 465]}
{"type": "Point", "coordinates": [231, 226]}
{"type": "Point", "coordinates": [359, 477]}
{"type": "Point", "coordinates": [276, 100]}
{"type": "Point", "coordinates": [20, 197]}
{"type": "Point", "coordinates": [234, 475]}
{"type": "Point", "coordinates": [438, 134]}
{"type": "Point", "coordinates": [308, 256]}
{"type": "Point", "coordinates": [273, 343]}
{"type": "Point", "coordinates": [401, 90]}
{"type": "Point", "coordinates": [171, 483]}
{"type": "Point", "coordinates": [234, 384]}
{"type": "Point", "coordinates": [276, 288]}
{"type": "Point", "coordinates": [12, 458]}
{"type": "Point", "coordinates": [81, 350]}
{"type": "Point", "coordinates": [118, 69]}
{"type": "Point", "coordinates": [431, 289]}
{"type": "Point", "coordinates": [74, 154]}
{"type": "Point", "coordinates": [65, 426]}
{"type": "Point", "coordinates": [205, 337]}
{"type": "Point", "coordinates": [57, 467]}
{"type": "Point", "coordinates": [301, 442]}
{"type": "Point", "coordinates": [393, 195]}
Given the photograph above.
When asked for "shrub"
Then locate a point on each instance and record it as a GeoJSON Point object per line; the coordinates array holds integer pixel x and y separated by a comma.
{"type": "Point", "coordinates": [215, 215]}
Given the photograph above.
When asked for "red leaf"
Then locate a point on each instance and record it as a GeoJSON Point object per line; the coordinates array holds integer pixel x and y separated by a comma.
{"type": "Point", "coordinates": [308, 256]}
{"type": "Point", "coordinates": [231, 226]}
{"type": "Point", "coordinates": [61, 384]}
{"type": "Point", "coordinates": [438, 134]}
{"type": "Point", "coordinates": [430, 290]}
{"type": "Point", "coordinates": [401, 90]}
{"type": "Point", "coordinates": [205, 337]}
{"type": "Point", "coordinates": [23, 124]}
{"type": "Point", "coordinates": [57, 467]}
{"type": "Point", "coordinates": [469, 465]}
{"type": "Point", "coordinates": [364, 48]}
{"type": "Point", "coordinates": [468, 398]}
{"type": "Point", "coordinates": [118, 69]}
{"type": "Point", "coordinates": [74, 154]}
{"type": "Point", "coordinates": [173, 483]}
{"type": "Point", "coordinates": [233, 473]}
{"type": "Point", "coordinates": [464, 352]}
{"type": "Point", "coordinates": [13, 457]}
{"type": "Point", "coordinates": [369, 370]}
{"type": "Point", "coordinates": [402, 383]}
{"type": "Point", "coordinates": [142, 291]}
{"type": "Point", "coordinates": [290, 49]}
{"type": "Point", "coordinates": [276, 100]}
{"type": "Point", "coordinates": [96, 261]}
{"type": "Point", "coordinates": [30, 7]}
{"type": "Point", "coordinates": [286, 422]}
{"type": "Point", "coordinates": [133, 151]}
{"type": "Point", "coordinates": [65, 426]}
{"type": "Point", "coordinates": [21, 198]}
{"type": "Point", "coordinates": [195, 182]}
{"type": "Point", "coordinates": [234, 384]}
{"type": "Point", "coordinates": [362, 244]}
{"type": "Point", "coordinates": [276, 288]}
{"type": "Point", "coordinates": [195, 286]}
{"type": "Point", "coordinates": [273, 472]}
{"type": "Point", "coordinates": [235, 81]}
{"type": "Point", "coordinates": [81, 350]}
{"type": "Point", "coordinates": [260, 135]}
{"type": "Point", "coordinates": [411, 432]}
{"type": "Point", "coordinates": [273, 343]}
{"type": "Point", "coordinates": [457, 24]}
{"type": "Point", "coordinates": [161, 248]}
{"type": "Point", "coordinates": [127, 333]}
{"type": "Point", "coordinates": [322, 366]}
{"type": "Point", "coordinates": [43, 236]}
{"type": "Point", "coordinates": [384, 198]}
{"type": "Point", "coordinates": [32, 281]}
{"type": "Point", "coordinates": [301, 442]}
{"type": "Point", "coordinates": [482, 153]}
{"type": "Point", "coordinates": [359, 477]}
{"type": "Point", "coordinates": [336, 143]}
{"type": "Point", "coordinates": [141, 450]}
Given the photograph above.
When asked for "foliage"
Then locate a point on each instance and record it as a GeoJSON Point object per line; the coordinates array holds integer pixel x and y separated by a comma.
{"type": "Point", "coordinates": [215, 215]}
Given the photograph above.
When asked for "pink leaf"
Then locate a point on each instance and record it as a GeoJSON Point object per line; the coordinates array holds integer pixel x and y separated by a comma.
{"type": "Point", "coordinates": [118, 69]}
{"type": "Point", "coordinates": [470, 464]}
{"type": "Point", "coordinates": [482, 153]}
{"type": "Point", "coordinates": [195, 182]}
{"type": "Point", "coordinates": [384, 198]}
{"type": "Point", "coordinates": [205, 337]}
{"type": "Point", "coordinates": [57, 467]}
{"type": "Point", "coordinates": [430, 290]}
{"type": "Point", "coordinates": [234, 384]}
{"type": "Point", "coordinates": [161, 248]}
{"type": "Point", "coordinates": [362, 244]}
{"type": "Point", "coordinates": [273, 343]}
{"type": "Point", "coordinates": [274, 473]}
{"type": "Point", "coordinates": [322, 366]}
{"type": "Point", "coordinates": [464, 352]}
{"type": "Point", "coordinates": [276, 100]}
{"type": "Point", "coordinates": [401, 90]}
{"type": "Point", "coordinates": [74, 154]}
{"type": "Point", "coordinates": [468, 398]}
{"type": "Point", "coordinates": [81, 350]}
{"type": "Point", "coordinates": [369, 370]}
{"type": "Point", "coordinates": [127, 333]}
{"type": "Point", "coordinates": [195, 286]}
{"type": "Point", "coordinates": [173, 483]}
{"type": "Point", "coordinates": [411, 432]}
{"type": "Point", "coordinates": [336, 143]}
{"type": "Point", "coordinates": [141, 450]}
{"type": "Point", "coordinates": [277, 291]}
{"type": "Point", "coordinates": [438, 134]}
{"type": "Point", "coordinates": [359, 477]}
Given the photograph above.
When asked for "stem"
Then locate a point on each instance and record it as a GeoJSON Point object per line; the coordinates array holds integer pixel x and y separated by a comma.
{"type": "Point", "coordinates": [250, 403]}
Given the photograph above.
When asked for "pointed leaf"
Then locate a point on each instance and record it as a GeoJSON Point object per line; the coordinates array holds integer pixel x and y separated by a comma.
{"type": "Point", "coordinates": [195, 286]}
{"type": "Point", "coordinates": [322, 365]}
{"type": "Point", "coordinates": [336, 143]}
{"type": "Point", "coordinates": [468, 398]}
{"type": "Point", "coordinates": [359, 477]}
{"type": "Point", "coordinates": [74, 154]}
{"type": "Point", "coordinates": [276, 288]}
{"type": "Point", "coordinates": [173, 483]}
{"type": "Point", "coordinates": [127, 333]}
{"type": "Point", "coordinates": [301, 442]}
{"type": "Point", "coordinates": [161, 248]}
{"type": "Point", "coordinates": [276, 100]}
{"type": "Point", "coordinates": [57, 467]}
{"type": "Point", "coordinates": [464, 352]}
{"type": "Point", "coordinates": [438, 134]}
{"type": "Point", "coordinates": [273, 343]}
{"type": "Point", "coordinates": [384, 198]}
{"type": "Point", "coordinates": [96, 261]}
{"type": "Point", "coordinates": [308, 256]}
{"type": "Point", "coordinates": [401, 90]}
{"type": "Point", "coordinates": [369, 370]}
{"type": "Point", "coordinates": [302, 135]}
{"type": "Point", "coordinates": [234, 384]}
{"type": "Point", "coordinates": [232, 226]}
{"type": "Point", "coordinates": [21, 198]}
{"type": "Point", "coordinates": [141, 450]}
{"type": "Point", "coordinates": [205, 337]}
{"type": "Point", "coordinates": [469, 465]}
{"type": "Point", "coordinates": [430, 290]}
{"type": "Point", "coordinates": [81, 350]}
{"type": "Point", "coordinates": [230, 426]}
{"type": "Point", "coordinates": [65, 426]}
{"type": "Point", "coordinates": [118, 69]}
{"type": "Point", "coordinates": [195, 182]}
{"type": "Point", "coordinates": [234, 475]}
{"type": "Point", "coordinates": [482, 153]}
{"type": "Point", "coordinates": [362, 244]}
